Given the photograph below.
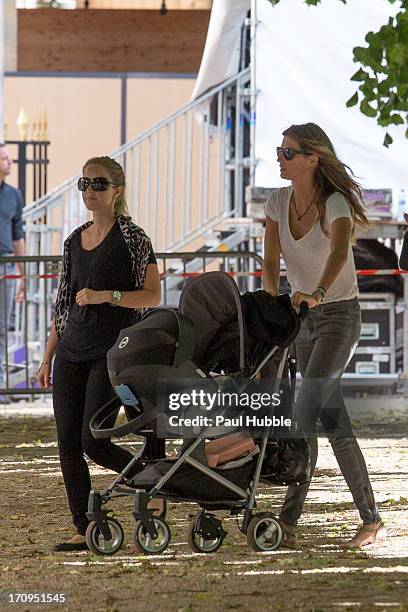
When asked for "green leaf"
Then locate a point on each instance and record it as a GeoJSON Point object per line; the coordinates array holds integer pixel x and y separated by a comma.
{"type": "Point", "coordinates": [387, 140]}
{"type": "Point", "coordinates": [376, 53]}
{"type": "Point", "coordinates": [367, 90]}
{"type": "Point", "coordinates": [398, 54]}
{"type": "Point", "coordinates": [384, 121]}
{"type": "Point", "coordinates": [360, 75]}
{"type": "Point", "coordinates": [397, 119]}
{"type": "Point", "coordinates": [385, 85]}
{"type": "Point", "coordinates": [402, 105]}
{"type": "Point", "coordinates": [352, 101]}
{"type": "Point", "coordinates": [368, 110]}
{"type": "Point", "coordinates": [362, 55]}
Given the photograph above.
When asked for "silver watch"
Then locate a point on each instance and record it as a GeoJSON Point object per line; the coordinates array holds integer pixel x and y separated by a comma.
{"type": "Point", "coordinates": [319, 294]}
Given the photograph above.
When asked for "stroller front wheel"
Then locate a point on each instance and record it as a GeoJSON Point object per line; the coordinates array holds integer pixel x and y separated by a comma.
{"type": "Point", "coordinates": [206, 533]}
{"type": "Point", "coordinates": [144, 541]}
{"type": "Point", "coordinates": [96, 541]}
{"type": "Point", "coordinates": [264, 533]}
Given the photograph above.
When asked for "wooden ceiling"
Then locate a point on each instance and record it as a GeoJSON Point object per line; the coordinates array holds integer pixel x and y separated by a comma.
{"type": "Point", "coordinates": [110, 40]}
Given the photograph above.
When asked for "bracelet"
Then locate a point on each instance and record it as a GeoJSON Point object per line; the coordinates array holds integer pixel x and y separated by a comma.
{"type": "Point", "coordinates": [43, 363]}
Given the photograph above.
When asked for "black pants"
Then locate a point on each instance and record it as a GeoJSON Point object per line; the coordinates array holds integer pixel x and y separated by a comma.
{"type": "Point", "coordinates": [79, 390]}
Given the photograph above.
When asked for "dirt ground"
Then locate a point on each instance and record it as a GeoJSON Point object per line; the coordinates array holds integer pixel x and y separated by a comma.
{"type": "Point", "coordinates": [317, 576]}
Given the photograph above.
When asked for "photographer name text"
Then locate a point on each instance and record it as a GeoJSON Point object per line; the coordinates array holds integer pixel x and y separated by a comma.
{"type": "Point", "coordinates": [220, 420]}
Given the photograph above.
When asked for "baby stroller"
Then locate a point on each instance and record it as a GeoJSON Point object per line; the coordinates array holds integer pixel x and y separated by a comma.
{"type": "Point", "coordinates": [212, 338]}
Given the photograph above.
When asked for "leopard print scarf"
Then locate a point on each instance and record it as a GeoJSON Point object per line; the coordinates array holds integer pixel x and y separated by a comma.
{"type": "Point", "coordinates": [139, 247]}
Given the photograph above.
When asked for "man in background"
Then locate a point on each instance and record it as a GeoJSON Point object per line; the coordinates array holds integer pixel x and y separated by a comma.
{"type": "Point", "coordinates": [11, 243]}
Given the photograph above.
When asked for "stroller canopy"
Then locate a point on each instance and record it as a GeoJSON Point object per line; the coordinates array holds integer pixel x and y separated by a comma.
{"type": "Point", "coordinates": [234, 331]}
{"type": "Point", "coordinates": [213, 303]}
{"type": "Point", "coordinates": [215, 327]}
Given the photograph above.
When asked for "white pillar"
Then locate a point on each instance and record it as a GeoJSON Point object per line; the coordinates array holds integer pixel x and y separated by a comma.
{"type": "Point", "coordinates": [10, 35]}
{"type": "Point", "coordinates": [8, 49]}
{"type": "Point", "coordinates": [2, 50]}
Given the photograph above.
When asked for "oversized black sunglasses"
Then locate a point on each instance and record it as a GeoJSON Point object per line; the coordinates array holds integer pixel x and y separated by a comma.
{"type": "Point", "coordinates": [289, 153]}
{"type": "Point", "coordinates": [99, 183]}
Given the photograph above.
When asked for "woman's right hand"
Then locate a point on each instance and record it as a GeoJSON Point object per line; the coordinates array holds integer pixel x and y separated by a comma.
{"type": "Point", "coordinates": [44, 375]}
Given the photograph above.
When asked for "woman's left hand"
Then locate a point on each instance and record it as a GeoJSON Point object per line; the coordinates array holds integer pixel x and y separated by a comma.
{"type": "Point", "coordinates": [298, 297]}
{"type": "Point", "coordinates": [85, 297]}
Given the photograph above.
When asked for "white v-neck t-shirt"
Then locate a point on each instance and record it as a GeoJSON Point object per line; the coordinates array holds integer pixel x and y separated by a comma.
{"type": "Point", "coordinates": [306, 258]}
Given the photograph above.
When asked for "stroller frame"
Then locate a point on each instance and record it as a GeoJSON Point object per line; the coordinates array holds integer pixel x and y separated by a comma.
{"type": "Point", "coordinates": [151, 533]}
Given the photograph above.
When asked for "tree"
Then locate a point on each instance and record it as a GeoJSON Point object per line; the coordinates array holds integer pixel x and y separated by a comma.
{"type": "Point", "coordinates": [383, 71]}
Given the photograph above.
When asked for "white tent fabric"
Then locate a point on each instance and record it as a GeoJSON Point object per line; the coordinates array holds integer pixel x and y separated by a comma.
{"type": "Point", "coordinates": [304, 64]}
{"type": "Point", "coordinates": [222, 47]}
{"type": "Point", "coordinates": [303, 69]}
{"type": "Point", "coordinates": [1, 73]}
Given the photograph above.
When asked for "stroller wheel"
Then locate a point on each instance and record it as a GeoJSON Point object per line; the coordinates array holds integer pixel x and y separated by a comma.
{"type": "Point", "coordinates": [144, 541]}
{"type": "Point", "coordinates": [264, 533]}
{"type": "Point", "coordinates": [206, 533]}
{"type": "Point", "coordinates": [97, 543]}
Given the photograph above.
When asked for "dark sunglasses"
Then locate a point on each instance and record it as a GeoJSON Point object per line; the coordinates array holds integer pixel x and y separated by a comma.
{"type": "Point", "coordinates": [99, 183]}
{"type": "Point", "coordinates": [289, 153]}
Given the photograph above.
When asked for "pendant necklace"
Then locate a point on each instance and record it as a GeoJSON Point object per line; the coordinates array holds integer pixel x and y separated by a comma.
{"type": "Point", "coordinates": [299, 216]}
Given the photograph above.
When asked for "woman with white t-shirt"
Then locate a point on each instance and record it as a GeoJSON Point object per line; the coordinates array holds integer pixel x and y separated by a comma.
{"type": "Point", "coordinates": [311, 223]}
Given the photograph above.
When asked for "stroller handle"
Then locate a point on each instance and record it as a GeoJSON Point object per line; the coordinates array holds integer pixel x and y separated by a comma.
{"type": "Point", "coordinates": [303, 310]}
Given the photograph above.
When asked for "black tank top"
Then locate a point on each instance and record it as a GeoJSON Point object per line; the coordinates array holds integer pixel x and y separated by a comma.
{"type": "Point", "coordinates": [92, 330]}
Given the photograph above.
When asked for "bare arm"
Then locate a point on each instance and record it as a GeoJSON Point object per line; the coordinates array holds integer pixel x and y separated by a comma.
{"type": "Point", "coordinates": [340, 232]}
{"type": "Point", "coordinates": [44, 373]}
{"type": "Point", "coordinates": [271, 263]}
{"type": "Point", "coordinates": [149, 296]}
{"type": "Point", "coordinates": [19, 251]}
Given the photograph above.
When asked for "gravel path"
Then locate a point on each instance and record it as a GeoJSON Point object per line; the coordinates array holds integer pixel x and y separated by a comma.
{"type": "Point", "coordinates": [318, 575]}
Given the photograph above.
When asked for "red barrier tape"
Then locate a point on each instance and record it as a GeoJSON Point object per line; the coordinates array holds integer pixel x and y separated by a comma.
{"type": "Point", "coordinates": [194, 274]}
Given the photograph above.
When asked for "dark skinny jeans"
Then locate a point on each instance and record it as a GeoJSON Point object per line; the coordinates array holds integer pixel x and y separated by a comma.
{"type": "Point", "coordinates": [79, 390]}
{"type": "Point", "coordinates": [324, 345]}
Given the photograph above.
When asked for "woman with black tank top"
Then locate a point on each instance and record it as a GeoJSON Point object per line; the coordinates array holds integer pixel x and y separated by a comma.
{"type": "Point", "coordinates": [109, 275]}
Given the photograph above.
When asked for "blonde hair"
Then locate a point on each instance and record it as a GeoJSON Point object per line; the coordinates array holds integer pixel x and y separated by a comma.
{"type": "Point", "coordinates": [331, 174]}
{"type": "Point", "coordinates": [116, 175]}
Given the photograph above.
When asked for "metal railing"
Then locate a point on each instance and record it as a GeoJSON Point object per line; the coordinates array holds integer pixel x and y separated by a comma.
{"type": "Point", "coordinates": [184, 175]}
{"type": "Point", "coordinates": [24, 345]}
{"type": "Point", "coordinates": [31, 154]}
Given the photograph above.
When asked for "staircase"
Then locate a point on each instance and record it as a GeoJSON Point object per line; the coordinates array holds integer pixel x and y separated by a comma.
{"type": "Point", "coordinates": [185, 175]}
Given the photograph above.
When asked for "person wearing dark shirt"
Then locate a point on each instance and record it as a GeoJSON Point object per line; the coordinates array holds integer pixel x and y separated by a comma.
{"type": "Point", "coordinates": [403, 260]}
{"type": "Point", "coordinates": [109, 275]}
{"type": "Point", "coordinates": [11, 243]}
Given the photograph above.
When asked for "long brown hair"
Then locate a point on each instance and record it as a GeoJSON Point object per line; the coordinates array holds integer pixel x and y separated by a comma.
{"type": "Point", "coordinates": [331, 173]}
{"type": "Point", "coordinates": [116, 175]}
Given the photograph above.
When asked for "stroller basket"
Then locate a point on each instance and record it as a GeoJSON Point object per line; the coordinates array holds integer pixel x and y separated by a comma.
{"type": "Point", "coordinates": [200, 485]}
